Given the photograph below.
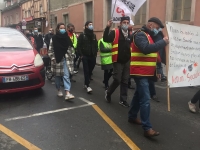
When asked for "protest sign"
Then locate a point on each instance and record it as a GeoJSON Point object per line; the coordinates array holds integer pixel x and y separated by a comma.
{"type": "Point", "coordinates": [184, 55]}
{"type": "Point", "coordinates": [122, 8]}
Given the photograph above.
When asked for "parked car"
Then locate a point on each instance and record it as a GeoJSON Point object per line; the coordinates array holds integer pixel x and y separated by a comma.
{"type": "Point", "coordinates": [21, 67]}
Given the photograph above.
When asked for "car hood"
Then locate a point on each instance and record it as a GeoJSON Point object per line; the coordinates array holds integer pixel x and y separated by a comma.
{"type": "Point", "coordinates": [19, 58]}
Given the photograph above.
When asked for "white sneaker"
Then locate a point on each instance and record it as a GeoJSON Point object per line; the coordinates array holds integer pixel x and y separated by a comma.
{"type": "Point", "coordinates": [89, 89]}
{"type": "Point", "coordinates": [75, 72]}
{"type": "Point", "coordinates": [192, 107]}
{"type": "Point", "coordinates": [69, 96]}
{"type": "Point", "coordinates": [60, 94]}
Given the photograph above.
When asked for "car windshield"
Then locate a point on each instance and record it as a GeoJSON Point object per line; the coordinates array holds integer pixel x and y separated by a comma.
{"type": "Point", "coordinates": [13, 39]}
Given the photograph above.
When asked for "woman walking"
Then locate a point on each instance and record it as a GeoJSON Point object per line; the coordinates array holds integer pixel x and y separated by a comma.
{"type": "Point", "coordinates": [61, 54]}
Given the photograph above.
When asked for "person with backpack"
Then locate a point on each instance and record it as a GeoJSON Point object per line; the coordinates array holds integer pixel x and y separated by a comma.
{"type": "Point", "coordinates": [106, 60]}
{"type": "Point", "coordinates": [88, 47]}
{"type": "Point", "coordinates": [121, 53]}
{"type": "Point", "coordinates": [48, 37]}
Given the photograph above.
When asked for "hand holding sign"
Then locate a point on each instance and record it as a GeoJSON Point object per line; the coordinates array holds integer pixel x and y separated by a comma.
{"type": "Point", "coordinates": [110, 22]}
{"type": "Point", "coordinates": [166, 39]}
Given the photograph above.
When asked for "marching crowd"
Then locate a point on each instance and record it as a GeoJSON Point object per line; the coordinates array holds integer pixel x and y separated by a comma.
{"type": "Point", "coordinates": [124, 55]}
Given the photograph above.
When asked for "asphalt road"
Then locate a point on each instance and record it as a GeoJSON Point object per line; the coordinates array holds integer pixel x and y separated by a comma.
{"type": "Point", "coordinates": [50, 123]}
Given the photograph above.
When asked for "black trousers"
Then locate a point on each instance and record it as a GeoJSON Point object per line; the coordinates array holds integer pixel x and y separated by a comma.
{"type": "Point", "coordinates": [89, 63]}
{"type": "Point", "coordinates": [107, 75]}
{"type": "Point", "coordinates": [121, 73]}
{"type": "Point", "coordinates": [196, 98]}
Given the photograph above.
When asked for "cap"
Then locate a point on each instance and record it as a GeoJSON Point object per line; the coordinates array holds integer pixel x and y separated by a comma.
{"type": "Point", "coordinates": [125, 18]}
{"type": "Point", "coordinates": [157, 21]}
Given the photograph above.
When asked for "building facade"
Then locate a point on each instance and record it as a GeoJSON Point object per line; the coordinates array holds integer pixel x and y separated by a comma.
{"type": "Point", "coordinates": [99, 11]}
{"type": "Point", "coordinates": [34, 12]}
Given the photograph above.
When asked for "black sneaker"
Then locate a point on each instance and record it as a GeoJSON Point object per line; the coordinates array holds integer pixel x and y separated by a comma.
{"type": "Point", "coordinates": [155, 98]}
{"type": "Point", "coordinates": [124, 103]}
{"type": "Point", "coordinates": [107, 97]}
{"type": "Point", "coordinates": [163, 79]}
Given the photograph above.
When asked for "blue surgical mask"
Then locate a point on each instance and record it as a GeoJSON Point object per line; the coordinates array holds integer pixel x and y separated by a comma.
{"type": "Point", "coordinates": [124, 27]}
{"type": "Point", "coordinates": [62, 31]}
{"type": "Point", "coordinates": [156, 31]}
{"type": "Point", "coordinates": [90, 27]}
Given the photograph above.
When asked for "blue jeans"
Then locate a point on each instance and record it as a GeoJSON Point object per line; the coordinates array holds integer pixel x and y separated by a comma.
{"type": "Point", "coordinates": [152, 89]}
{"type": "Point", "coordinates": [141, 102]}
{"type": "Point", "coordinates": [65, 78]}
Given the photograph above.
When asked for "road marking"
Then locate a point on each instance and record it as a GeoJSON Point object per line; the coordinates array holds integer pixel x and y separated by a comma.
{"type": "Point", "coordinates": [86, 101]}
{"type": "Point", "coordinates": [48, 112]}
{"type": "Point", "coordinates": [19, 139]}
{"type": "Point", "coordinates": [124, 137]}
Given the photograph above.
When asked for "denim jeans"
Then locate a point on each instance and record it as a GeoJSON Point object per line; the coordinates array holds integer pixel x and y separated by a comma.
{"type": "Point", "coordinates": [141, 102]}
{"type": "Point", "coordinates": [152, 89]}
{"type": "Point", "coordinates": [65, 78]}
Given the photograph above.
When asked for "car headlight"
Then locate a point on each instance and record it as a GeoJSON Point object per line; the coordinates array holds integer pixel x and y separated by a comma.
{"type": "Point", "coordinates": [38, 61]}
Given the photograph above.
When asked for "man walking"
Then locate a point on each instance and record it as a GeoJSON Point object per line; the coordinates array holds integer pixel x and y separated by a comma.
{"type": "Point", "coordinates": [38, 40]}
{"type": "Point", "coordinates": [143, 68]}
{"type": "Point", "coordinates": [121, 44]}
{"type": "Point", "coordinates": [48, 37]}
{"type": "Point", "coordinates": [87, 48]}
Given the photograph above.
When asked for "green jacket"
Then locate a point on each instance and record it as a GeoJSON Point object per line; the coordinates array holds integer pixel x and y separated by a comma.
{"type": "Point", "coordinates": [105, 52]}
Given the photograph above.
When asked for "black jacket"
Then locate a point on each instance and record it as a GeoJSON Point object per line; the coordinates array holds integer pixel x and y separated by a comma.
{"type": "Point", "coordinates": [87, 46]}
{"type": "Point", "coordinates": [161, 51]}
{"type": "Point", "coordinates": [124, 53]}
{"type": "Point", "coordinates": [142, 42]}
{"type": "Point", "coordinates": [47, 38]}
{"type": "Point", "coordinates": [39, 41]}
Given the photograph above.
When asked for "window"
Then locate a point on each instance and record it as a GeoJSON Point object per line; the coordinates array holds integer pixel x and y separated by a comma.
{"type": "Point", "coordinates": [11, 2]}
{"type": "Point", "coordinates": [66, 19]}
{"type": "Point", "coordinates": [17, 18]}
{"type": "Point", "coordinates": [89, 11]}
{"type": "Point", "coordinates": [6, 4]}
{"type": "Point", "coordinates": [182, 10]}
{"type": "Point", "coordinates": [109, 7]}
{"type": "Point", "coordinates": [11, 20]}
{"type": "Point", "coordinates": [4, 21]}
{"type": "Point", "coordinates": [7, 20]}
{"type": "Point", "coordinates": [41, 10]}
{"type": "Point", "coordinates": [140, 17]}
{"type": "Point", "coordinates": [29, 13]}
{"type": "Point", "coordinates": [26, 14]}
{"type": "Point", "coordinates": [55, 22]}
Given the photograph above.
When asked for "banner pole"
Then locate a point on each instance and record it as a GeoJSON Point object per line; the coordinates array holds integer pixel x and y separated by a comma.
{"type": "Point", "coordinates": [113, 9]}
{"type": "Point", "coordinates": [167, 70]}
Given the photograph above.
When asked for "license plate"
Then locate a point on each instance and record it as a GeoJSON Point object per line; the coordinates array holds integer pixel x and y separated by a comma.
{"type": "Point", "coordinates": [15, 79]}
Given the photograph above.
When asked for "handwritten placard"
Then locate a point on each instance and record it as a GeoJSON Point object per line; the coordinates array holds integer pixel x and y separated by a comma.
{"type": "Point", "coordinates": [184, 55]}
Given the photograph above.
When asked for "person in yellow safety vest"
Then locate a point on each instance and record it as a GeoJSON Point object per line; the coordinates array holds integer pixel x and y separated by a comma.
{"type": "Point", "coordinates": [72, 35]}
{"type": "Point", "coordinates": [144, 56]}
{"type": "Point", "coordinates": [121, 53]}
{"type": "Point", "coordinates": [106, 60]}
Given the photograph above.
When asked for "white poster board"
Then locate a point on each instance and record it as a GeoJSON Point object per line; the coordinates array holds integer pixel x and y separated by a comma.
{"type": "Point", "coordinates": [122, 8]}
{"type": "Point", "coordinates": [184, 55]}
